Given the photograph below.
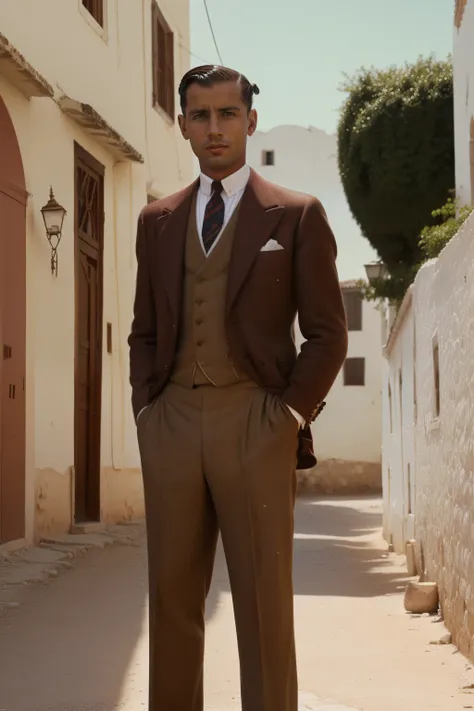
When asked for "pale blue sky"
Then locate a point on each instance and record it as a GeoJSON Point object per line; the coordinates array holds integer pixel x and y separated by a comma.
{"type": "Point", "coordinates": [298, 50]}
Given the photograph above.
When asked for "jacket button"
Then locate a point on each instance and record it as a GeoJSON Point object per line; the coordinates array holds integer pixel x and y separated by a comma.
{"type": "Point", "coordinates": [200, 343]}
{"type": "Point", "coordinates": [198, 321]}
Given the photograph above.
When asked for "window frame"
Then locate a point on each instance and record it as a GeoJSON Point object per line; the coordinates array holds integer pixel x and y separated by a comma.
{"type": "Point", "coordinates": [163, 69]}
{"type": "Point", "coordinates": [265, 154]}
{"type": "Point", "coordinates": [96, 9]}
{"type": "Point", "coordinates": [436, 379]}
{"type": "Point", "coordinates": [357, 317]}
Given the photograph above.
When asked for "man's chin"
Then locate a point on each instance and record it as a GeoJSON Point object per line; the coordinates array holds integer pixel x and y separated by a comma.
{"type": "Point", "coordinates": [216, 163]}
{"type": "Point", "coordinates": [216, 160]}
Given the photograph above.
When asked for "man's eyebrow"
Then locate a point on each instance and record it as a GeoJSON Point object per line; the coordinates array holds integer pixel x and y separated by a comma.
{"type": "Point", "coordinates": [193, 112]}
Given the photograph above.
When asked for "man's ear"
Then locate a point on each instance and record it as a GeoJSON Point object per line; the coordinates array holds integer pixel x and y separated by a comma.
{"type": "Point", "coordinates": [252, 122]}
{"type": "Point", "coordinates": [183, 126]}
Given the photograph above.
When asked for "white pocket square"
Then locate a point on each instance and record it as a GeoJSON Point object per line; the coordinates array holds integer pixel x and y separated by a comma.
{"type": "Point", "coordinates": [271, 246]}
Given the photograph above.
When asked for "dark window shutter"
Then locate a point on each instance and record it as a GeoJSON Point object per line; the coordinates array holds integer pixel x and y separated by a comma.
{"type": "Point", "coordinates": [353, 307]}
{"type": "Point", "coordinates": [163, 63]}
{"type": "Point", "coordinates": [155, 62]}
{"type": "Point", "coordinates": [354, 372]}
{"type": "Point", "coordinates": [96, 9]}
{"type": "Point", "coordinates": [170, 74]}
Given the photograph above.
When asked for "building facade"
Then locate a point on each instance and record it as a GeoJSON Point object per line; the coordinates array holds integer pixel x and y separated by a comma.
{"type": "Point", "coordinates": [348, 433]}
{"type": "Point", "coordinates": [87, 108]}
{"type": "Point", "coordinates": [305, 159]}
{"type": "Point", "coordinates": [463, 61]}
{"type": "Point", "coordinates": [428, 454]}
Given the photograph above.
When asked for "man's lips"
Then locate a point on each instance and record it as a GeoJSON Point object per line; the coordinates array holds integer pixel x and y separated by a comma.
{"type": "Point", "coordinates": [217, 147]}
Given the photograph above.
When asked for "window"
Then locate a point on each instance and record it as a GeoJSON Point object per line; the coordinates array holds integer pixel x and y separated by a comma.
{"type": "Point", "coordinates": [268, 158]}
{"type": "Point", "coordinates": [390, 406]}
{"type": "Point", "coordinates": [415, 404]}
{"type": "Point", "coordinates": [410, 505]}
{"type": "Point", "coordinates": [354, 371]}
{"type": "Point", "coordinates": [96, 9]}
{"type": "Point", "coordinates": [400, 392]}
{"type": "Point", "coordinates": [353, 306]}
{"type": "Point", "coordinates": [437, 397]}
{"type": "Point", "coordinates": [471, 159]}
{"type": "Point", "coordinates": [163, 62]}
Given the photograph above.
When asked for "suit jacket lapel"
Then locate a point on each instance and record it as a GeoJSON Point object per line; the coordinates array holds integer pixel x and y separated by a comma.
{"type": "Point", "coordinates": [259, 216]}
{"type": "Point", "coordinates": [172, 228]}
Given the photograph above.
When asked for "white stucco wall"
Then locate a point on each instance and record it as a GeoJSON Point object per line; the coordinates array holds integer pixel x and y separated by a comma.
{"type": "Point", "coordinates": [463, 61]}
{"type": "Point", "coordinates": [399, 421]}
{"type": "Point", "coordinates": [306, 161]}
{"type": "Point", "coordinates": [439, 311]}
{"type": "Point", "coordinates": [443, 297]}
{"type": "Point", "coordinates": [112, 72]}
{"type": "Point", "coordinates": [350, 427]}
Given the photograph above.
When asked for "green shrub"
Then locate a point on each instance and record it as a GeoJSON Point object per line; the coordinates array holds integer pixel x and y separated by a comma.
{"type": "Point", "coordinates": [396, 156]}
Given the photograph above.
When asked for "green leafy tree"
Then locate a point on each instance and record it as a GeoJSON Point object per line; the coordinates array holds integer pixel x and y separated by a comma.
{"type": "Point", "coordinates": [396, 158]}
{"type": "Point", "coordinates": [434, 238]}
{"type": "Point", "coordinates": [450, 219]}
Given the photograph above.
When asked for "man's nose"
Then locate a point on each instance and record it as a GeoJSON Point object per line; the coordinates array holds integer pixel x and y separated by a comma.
{"type": "Point", "coordinates": [214, 127]}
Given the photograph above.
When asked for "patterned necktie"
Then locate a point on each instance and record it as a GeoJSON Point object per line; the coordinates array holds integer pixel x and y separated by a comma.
{"type": "Point", "coordinates": [213, 216]}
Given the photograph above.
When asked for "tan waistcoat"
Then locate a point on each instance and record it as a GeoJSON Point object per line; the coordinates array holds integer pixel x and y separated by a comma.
{"type": "Point", "coordinates": [203, 355]}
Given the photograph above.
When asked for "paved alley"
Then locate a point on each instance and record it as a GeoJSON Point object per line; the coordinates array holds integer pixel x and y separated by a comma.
{"type": "Point", "coordinates": [79, 643]}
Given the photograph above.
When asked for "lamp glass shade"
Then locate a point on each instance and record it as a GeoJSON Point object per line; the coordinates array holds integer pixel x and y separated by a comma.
{"type": "Point", "coordinates": [375, 270]}
{"type": "Point", "coordinates": [53, 215]}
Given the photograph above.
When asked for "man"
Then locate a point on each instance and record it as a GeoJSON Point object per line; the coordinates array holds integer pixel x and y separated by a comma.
{"type": "Point", "coordinates": [223, 403]}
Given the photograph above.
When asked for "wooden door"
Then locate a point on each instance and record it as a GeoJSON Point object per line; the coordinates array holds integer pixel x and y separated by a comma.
{"type": "Point", "coordinates": [89, 232]}
{"type": "Point", "coordinates": [13, 198]}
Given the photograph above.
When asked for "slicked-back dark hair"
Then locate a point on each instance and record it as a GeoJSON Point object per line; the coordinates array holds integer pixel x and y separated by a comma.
{"type": "Point", "coordinates": [210, 74]}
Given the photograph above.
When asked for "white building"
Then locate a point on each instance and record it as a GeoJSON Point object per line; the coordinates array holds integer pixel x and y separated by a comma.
{"type": "Point", "coordinates": [463, 59]}
{"type": "Point", "coordinates": [348, 433]}
{"type": "Point", "coordinates": [305, 159]}
{"type": "Point", "coordinates": [428, 464]}
{"type": "Point", "coordinates": [87, 93]}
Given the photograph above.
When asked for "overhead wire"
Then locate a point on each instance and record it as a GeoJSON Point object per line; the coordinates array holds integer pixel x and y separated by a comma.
{"type": "Point", "coordinates": [212, 31]}
{"type": "Point", "coordinates": [201, 59]}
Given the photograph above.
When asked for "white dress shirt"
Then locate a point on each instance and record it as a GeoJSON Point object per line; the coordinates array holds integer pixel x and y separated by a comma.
{"type": "Point", "coordinates": [233, 188]}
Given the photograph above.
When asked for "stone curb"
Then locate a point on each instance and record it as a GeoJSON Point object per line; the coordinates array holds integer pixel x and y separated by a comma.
{"type": "Point", "coordinates": [43, 562]}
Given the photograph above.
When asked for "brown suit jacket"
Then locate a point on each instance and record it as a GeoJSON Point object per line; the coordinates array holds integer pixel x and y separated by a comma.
{"type": "Point", "coordinates": [265, 291]}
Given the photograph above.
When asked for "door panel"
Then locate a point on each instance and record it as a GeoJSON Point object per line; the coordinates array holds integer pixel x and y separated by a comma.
{"type": "Point", "coordinates": [89, 250]}
{"type": "Point", "coordinates": [12, 333]}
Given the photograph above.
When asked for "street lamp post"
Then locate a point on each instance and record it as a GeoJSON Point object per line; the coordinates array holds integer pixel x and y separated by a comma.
{"type": "Point", "coordinates": [376, 271]}
{"type": "Point", "coordinates": [53, 218]}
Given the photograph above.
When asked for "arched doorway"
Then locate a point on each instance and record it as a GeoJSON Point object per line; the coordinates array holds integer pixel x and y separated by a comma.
{"type": "Point", "coordinates": [13, 197]}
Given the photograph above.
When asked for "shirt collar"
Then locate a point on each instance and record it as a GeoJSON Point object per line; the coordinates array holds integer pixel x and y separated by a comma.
{"type": "Point", "coordinates": [232, 185]}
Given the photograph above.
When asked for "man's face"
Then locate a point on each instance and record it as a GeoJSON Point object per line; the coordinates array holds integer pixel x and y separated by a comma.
{"type": "Point", "coordinates": [217, 124]}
